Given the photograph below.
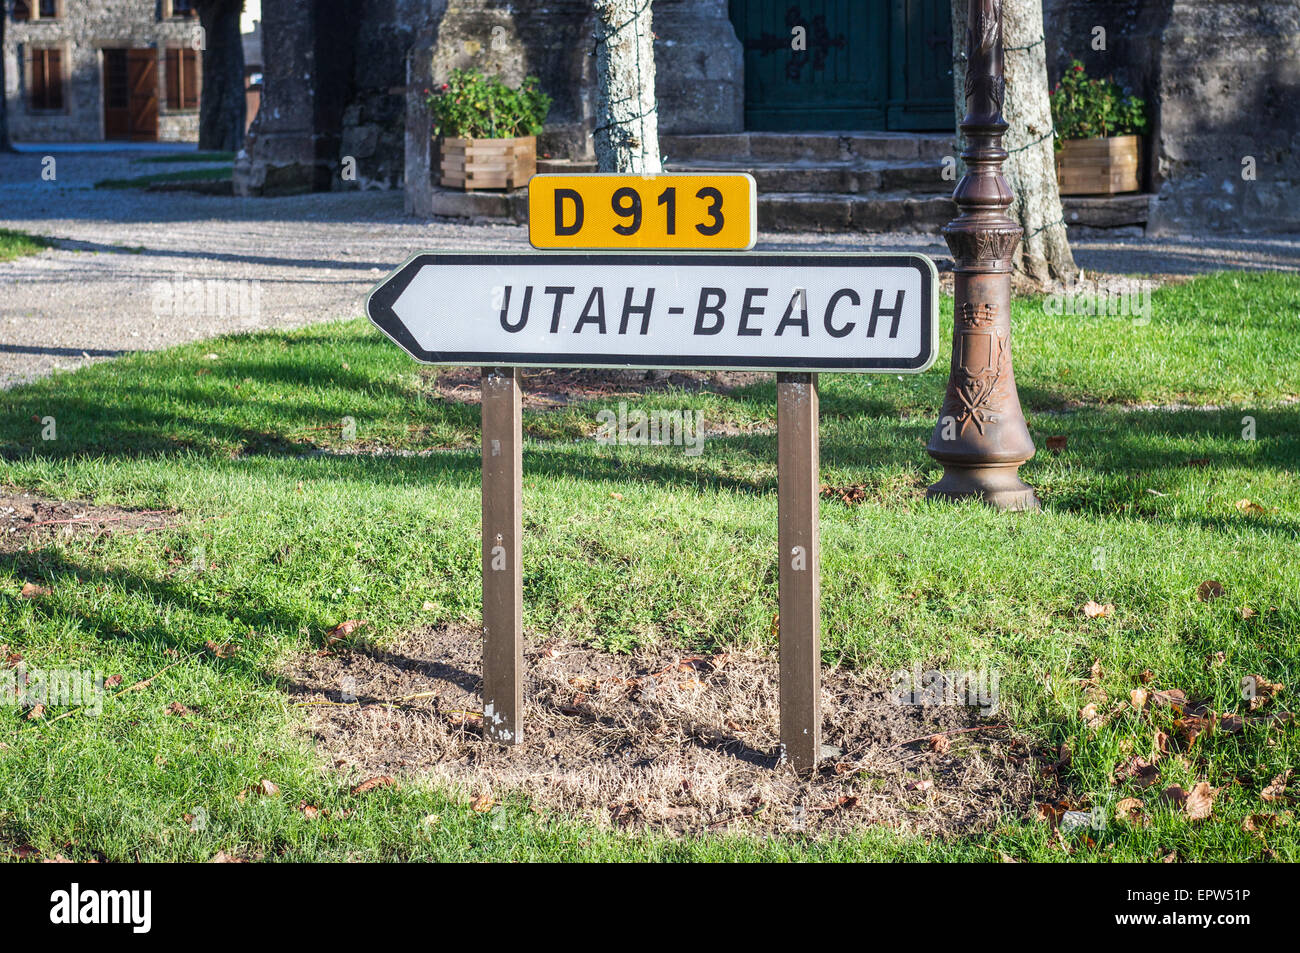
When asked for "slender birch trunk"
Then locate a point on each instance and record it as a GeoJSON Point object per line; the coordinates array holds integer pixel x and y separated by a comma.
{"type": "Point", "coordinates": [626, 136]}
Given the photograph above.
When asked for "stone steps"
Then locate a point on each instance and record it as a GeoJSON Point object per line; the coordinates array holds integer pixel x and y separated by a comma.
{"type": "Point", "coordinates": [850, 178]}
{"type": "Point", "coordinates": [830, 181]}
{"type": "Point", "coordinates": [837, 212]}
{"type": "Point", "coordinates": [820, 146]}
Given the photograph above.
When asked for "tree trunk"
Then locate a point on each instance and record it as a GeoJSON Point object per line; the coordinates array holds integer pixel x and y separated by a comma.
{"type": "Point", "coordinates": [626, 136]}
{"type": "Point", "coordinates": [222, 104]}
{"type": "Point", "coordinates": [5, 144]}
{"type": "Point", "coordinates": [1044, 256]}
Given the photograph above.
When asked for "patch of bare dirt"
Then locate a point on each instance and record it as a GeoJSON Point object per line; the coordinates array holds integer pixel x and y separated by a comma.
{"type": "Point", "coordinates": [28, 519]}
{"type": "Point", "coordinates": [662, 741]}
{"type": "Point", "coordinates": [553, 389]}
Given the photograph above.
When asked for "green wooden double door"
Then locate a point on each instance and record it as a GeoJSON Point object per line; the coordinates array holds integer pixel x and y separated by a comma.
{"type": "Point", "coordinates": [846, 64]}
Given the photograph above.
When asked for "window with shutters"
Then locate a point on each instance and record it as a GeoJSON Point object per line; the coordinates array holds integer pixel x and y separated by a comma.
{"type": "Point", "coordinates": [182, 67]}
{"type": "Point", "coordinates": [35, 10]}
{"type": "Point", "coordinates": [45, 80]}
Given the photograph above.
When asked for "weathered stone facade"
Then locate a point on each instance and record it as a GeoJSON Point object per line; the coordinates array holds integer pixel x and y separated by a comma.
{"type": "Point", "coordinates": [82, 32]}
{"type": "Point", "coordinates": [1221, 78]}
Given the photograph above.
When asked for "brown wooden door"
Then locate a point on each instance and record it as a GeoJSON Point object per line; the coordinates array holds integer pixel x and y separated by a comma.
{"type": "Point", "coordinates": [117, 115]}
{"type": "Point", "coordinates": [142, 85]}
{"type": "Point", "coordinates": [131, 94]}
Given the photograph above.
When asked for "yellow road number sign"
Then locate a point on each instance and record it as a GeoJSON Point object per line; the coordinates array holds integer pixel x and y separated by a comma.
{"type": "Point", "coordinates": [669, 211]}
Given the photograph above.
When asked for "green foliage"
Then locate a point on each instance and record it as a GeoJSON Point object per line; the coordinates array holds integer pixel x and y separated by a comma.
{"type": "Point", "coordinates": [471, 105]}
{"type": "Point", "coordinates": [1087, 108]}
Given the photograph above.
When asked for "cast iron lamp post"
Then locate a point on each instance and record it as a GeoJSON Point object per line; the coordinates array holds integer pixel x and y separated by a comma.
{"type": "Point", "coordinates": [981, 438]}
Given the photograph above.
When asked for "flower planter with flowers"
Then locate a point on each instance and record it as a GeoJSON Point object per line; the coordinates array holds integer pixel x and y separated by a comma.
{"type": "Point", "coordinates": [1098, 129]}
{"type": "Point", "coordinates": [486, 131]}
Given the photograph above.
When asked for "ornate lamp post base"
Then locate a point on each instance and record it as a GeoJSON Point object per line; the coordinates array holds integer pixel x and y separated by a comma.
{"type": "Point", "coordinates": [998, 485]}
{"type": "Point", "coordinates": [981, 437]}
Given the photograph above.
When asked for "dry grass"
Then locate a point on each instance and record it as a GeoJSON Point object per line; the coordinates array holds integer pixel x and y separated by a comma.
{"type": "Point", "coordinates": [680, 744]}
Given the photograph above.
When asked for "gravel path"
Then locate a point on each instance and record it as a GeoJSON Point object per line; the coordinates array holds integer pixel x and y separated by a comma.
{"type": "Point", "coordinates": [95, 295]}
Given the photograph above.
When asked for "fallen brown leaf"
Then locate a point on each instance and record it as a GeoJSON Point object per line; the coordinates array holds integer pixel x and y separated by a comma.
{"type": "Point", "coordinates": [1196, 804]}
{"type": "Point", "coordinates": [1142, 772]}
{"type": "Point", "coordinates": [1191, 727]}
{"type": "Point", "coordinates": [1129, 810]}
{"type": "Point", "coordinates": [1231, 724]}
{"type": "Point", "coordinates": [1160, 743]}
{"type": "Point", "coordinates": [1175, 697]}
{"type": "Point", "coordinates": [113, 681]}
{"type": "Point", "coordinates": [1200, 801]}
{"type": "Point", "coordinates": [1095, 610]}
{"type": "Point", "coordinates": [1250, 509]}
{"type": "Point", "coordinates": [940, 743]}
{"type": "Point", "coordinates": [483, 803]}
{"type": "Point", "coordinates": [379, 781]}
{"type": "Point", "coordinates": [1209, 590]}
{"type": "Point", "coordinates": [1255, 823]}
{"type": "Point", "coordinates": [220, 651]}
{"type": "Point", "coordinates": [1253, 686]}
{"type": "Point", "coordinates": [343, 630]}
{"type": "Point", "coordinates": [176, 708]}
{"type": "Point", "coordinates": [269, 788]}
{"type": "Point", "coordinates": [32, 591]}
{"type": "Point", "coordinates": [1090, 716]}
{"type": "Point", "coordinates": [1275, 790]}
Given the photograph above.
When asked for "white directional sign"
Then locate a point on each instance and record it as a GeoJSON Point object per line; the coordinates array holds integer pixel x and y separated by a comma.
{"type": "Point", "coordinates": [755, 311]}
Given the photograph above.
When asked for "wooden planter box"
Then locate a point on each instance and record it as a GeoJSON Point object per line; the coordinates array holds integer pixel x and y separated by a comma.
{"type": "Point", "coordinates": [1099, 166]}
{"type": "Point", "coordinates": [487, 163]}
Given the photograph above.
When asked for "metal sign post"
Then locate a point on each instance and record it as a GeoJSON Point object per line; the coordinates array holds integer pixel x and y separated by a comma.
{"type": "Point", "coordinates": [799, 547]}
{"type": "Point", "coordinates": [793, 314]}
{"type": "Point", "coordinates": [503, 574]}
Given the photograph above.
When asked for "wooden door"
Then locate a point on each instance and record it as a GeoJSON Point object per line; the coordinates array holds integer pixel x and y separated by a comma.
{"type": "Point", "coordinates": [117, 115]}
{"type": "Point", "coordinates": [142, 87]}
{"type": "Point", "coordinates": [921, 65]}
{"type": "Point", "coordinates": [866, 64]}
{"type": "Point", "coordinates": [837, 80]}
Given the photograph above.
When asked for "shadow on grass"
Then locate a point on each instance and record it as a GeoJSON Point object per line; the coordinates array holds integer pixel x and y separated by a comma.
{"type": "Point", "coordinates": [58, 571]}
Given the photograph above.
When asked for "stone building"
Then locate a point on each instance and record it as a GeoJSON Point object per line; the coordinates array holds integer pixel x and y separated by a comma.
{"type": "Point", "coordinates": [85, 70]}
{"type": "Point", "coordinates": [847, 133]}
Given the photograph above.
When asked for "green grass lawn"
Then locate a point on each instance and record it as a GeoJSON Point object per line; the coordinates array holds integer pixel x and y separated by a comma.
{"type": "Point", "coordinates": [180, 157]}
{"type": "Point", "coordinates": [217, 173]}
{"type": "Point", "coordinates": [1141, 508]}
{"type": "Point", "coordinates": [16, 244]}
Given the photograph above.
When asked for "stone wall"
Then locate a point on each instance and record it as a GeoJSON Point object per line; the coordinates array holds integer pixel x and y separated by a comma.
{"type": "Point", "coordinates": [86, 28]}
{"type": "Point", "coordinates": [1229, 100]}
{"type": "Point", "coordinates": [1222, 78]}
{"type": "Point", "coordinates": [699, 68]}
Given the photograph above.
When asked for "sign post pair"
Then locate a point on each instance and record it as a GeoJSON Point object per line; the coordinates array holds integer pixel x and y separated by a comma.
{"type": "Point", "coordinates": [797, 315]}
